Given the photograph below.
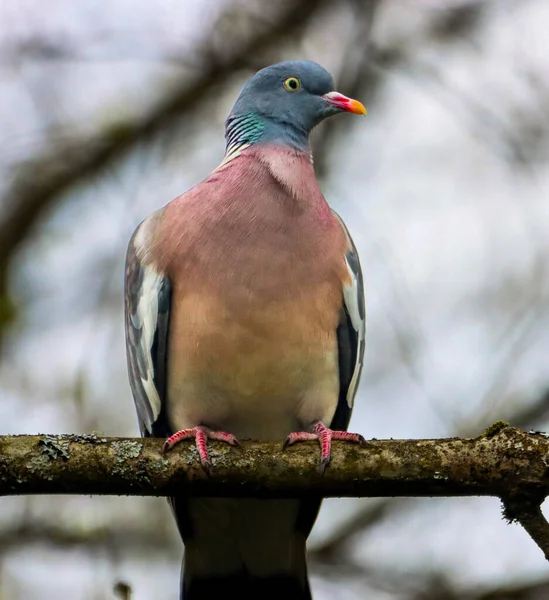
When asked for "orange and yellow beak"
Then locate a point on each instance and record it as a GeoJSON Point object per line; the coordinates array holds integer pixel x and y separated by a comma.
{"type": "Point", "coordinates": [344, 103]}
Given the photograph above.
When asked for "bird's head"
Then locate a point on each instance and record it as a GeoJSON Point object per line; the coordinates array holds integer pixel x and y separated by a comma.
{"type": "Point", "coordinates": [282, 103]}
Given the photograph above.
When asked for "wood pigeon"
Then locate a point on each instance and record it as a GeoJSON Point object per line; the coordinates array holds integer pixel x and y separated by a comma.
{"type": "Point", "coordinates": [245, 318]}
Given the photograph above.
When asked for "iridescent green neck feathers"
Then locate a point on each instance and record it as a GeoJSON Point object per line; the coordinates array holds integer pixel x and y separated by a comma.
{"type": "Point", "coordinates": [242, 130]}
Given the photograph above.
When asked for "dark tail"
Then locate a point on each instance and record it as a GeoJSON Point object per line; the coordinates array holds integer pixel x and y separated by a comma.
{"type": "Point", "coordinates": [244, 547]}
{"type": "Point", "coordinates": [245, 587]}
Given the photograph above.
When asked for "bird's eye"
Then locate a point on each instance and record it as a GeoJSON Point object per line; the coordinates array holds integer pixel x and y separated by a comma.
{"type": "Point", "coordinates": [292, 84]}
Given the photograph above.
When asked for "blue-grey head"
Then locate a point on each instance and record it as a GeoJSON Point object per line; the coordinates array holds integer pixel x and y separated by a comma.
{"type": "Point", "coordinates": [282, 103]}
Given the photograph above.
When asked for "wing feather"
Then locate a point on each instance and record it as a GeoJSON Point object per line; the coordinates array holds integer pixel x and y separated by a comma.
{"type": "Point", "coordinates": [351, 335]}
{"type": "Point", "coordinates": [147, 312]}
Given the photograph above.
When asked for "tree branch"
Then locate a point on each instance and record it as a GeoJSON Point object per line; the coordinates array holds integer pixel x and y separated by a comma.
{"type": "Point", "coordinates": [526, 510]}
{"type": "Point", "coordinates": [503, 462]}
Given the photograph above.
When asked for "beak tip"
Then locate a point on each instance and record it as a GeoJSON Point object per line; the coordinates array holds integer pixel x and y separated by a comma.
{"type": "Point", "coordinates": [357, 107]}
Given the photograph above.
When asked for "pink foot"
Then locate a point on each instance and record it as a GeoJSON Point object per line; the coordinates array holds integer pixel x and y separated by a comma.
{"type": "Point", "coordinates": [325, 437]}
{"type": "Point", "coordinates": [201, 435]}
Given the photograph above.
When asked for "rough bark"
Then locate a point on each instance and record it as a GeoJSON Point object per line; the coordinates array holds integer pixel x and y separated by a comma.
{"type": "Point", "coordinates": [504, 462]}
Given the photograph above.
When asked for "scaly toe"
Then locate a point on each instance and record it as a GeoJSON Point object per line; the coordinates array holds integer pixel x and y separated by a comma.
{"type": "Point", "coordinates": [200, 434]}
{"type": "Point", "coordinates": [345, 436]}
{"type": "Point", "coordinates": [298, 436]}
{"type": "Point", "coordinates": [222, 436]}
{"type": "Point", "coordinates": [178, 436]}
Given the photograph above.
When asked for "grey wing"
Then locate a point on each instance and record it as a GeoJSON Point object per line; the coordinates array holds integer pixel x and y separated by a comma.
{"type": "Point", "coordinates": [351, 336]}
{"type": "Point", "coordinates": [147, 315]}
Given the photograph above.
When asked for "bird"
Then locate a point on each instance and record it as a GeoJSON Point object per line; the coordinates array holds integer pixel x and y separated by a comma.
{"type": "Point", "coordinates": [245, 319]}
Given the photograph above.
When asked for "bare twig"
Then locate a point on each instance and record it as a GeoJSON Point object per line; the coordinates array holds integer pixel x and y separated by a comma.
{"type": "Point", "coordinates": [526, 510]}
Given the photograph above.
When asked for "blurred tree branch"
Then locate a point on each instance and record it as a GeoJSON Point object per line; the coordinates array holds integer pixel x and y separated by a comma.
{"type": "Point", "coordinates": [370, 515]}
{"type": "Point", "coordinates": [67, 535]}
{"type": "Point", "coordinates": [530, 415]}
{"type": "Point", "coordinates": [439, 587]}
{"type": "Point", "coordinates": [123, 591]}
{"type": "Point", "coordinates": [352, 78]}
{"type": "Point", "coordinates": [536, 591]}
{"type": "Point", "coordinates": [37, 183]}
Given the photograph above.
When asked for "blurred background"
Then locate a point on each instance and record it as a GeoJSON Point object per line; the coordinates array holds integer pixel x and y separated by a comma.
{"type": "Point", "coordinates": [109, 110]}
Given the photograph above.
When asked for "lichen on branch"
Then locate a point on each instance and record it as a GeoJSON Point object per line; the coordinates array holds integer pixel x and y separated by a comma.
{"type": "Point", "coordinates": [506, 463]}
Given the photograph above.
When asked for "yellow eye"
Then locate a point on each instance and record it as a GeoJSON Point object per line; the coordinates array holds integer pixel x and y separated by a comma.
{"type": "Point", "coordinates": [292, 84]}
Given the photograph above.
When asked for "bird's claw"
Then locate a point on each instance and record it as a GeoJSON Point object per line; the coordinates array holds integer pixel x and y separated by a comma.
{"type": "Point", "coordinates": [200, 435]}
{"type": "Point", "coordinates": [324, 435]}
